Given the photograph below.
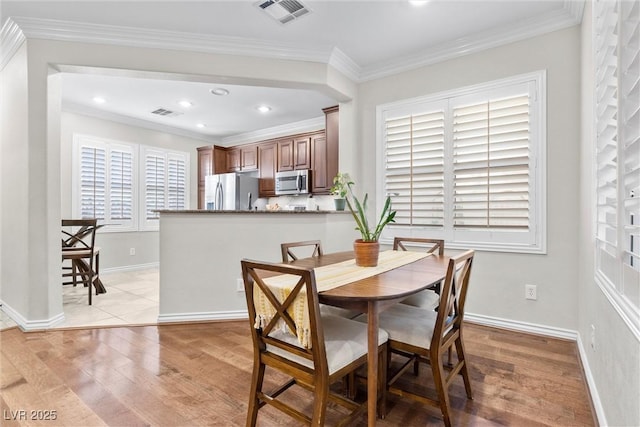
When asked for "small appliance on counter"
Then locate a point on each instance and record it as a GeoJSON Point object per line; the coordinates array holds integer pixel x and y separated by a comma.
{"type": "Point", "coordinates": [293, 182]}
{"type": "Point", "coordinates": [230, 192]}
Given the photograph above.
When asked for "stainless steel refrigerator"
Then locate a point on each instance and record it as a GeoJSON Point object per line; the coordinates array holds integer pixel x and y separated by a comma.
{"type": "Point", "coordinates": [230, 192]}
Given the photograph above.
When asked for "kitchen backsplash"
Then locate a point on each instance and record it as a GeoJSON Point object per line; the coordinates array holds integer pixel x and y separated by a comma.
{"type": "Point", "coordinates": [323, 203]}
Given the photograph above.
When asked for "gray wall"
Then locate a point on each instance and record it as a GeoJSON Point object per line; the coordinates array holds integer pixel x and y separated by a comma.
{"type": "Point", "coordinates": [114, 247]}
{"type": "Point", "coordinates": [498, 283]}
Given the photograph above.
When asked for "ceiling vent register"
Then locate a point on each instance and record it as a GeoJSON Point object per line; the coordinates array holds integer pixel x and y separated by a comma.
{"type": "Point", "coordinates": [283, 11]}
{"type": "Point", "coordinates": [165, 113]}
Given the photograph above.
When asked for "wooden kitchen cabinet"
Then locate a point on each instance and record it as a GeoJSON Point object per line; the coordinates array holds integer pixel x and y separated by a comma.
{"type": "Point", "coordinates": [324, 154]}
{"type": "Point", "coordinates": [294, 154]}
{"type": "Point", "coordinates": [267, 158]}
{"type": "Point", "coordinates": [249, 158]}
{"type": "Point", "coordinates": [285, 155]}
{"type": "Point", "coordinates": [317, 151]}
{"type": "Point", "coordinates": [320, 181]}
{"type": "Point", "coordinates": [302, 153]}
{"type": "Point", "coordinates": [211, 160]}
{"type": "Point", "coordinates": [242, 158]}
{"type": "Point", "coordinates": [233, 160]}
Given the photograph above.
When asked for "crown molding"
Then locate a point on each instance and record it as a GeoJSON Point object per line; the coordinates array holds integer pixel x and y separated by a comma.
{"type": "Point", "coordinates": [17, 29]}
{"type": "Point", "coordinates": [347, 66]}
{"type": "Point", "coordinates": [69, 107]}
{"type": "Point", "coordinates": [309, 125]}
{"type": "Point", "coordinates": [567, 17]}
{"type": "Point", "coordinates": [11, 38]}
{"type": "Point", "coordinates": [52, 29]}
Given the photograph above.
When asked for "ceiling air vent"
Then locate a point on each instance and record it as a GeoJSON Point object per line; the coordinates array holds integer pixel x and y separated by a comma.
{"type": "Point", "coordinates": [283, 11]}
{"type": "Point", "coordinates": [166, 113]}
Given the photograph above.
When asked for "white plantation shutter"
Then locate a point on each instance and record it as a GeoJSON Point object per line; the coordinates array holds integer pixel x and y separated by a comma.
{"type": "Point", "coordinates": [121, 185]}
{"type": "Point", "coordinates": [177, 182]}
{"type": "Point", "coordinates": [491, 163]}
{"type": "Point", "coordinates": [104, 182]}
{"type": "Point", "coordinates": [414, 171]}
{"type": "Point", "coordinates": [155, 183]}
{"type": "Point", "coordinates": [93, 177]}
{"type": "Point", "coordinates": [468, 165]}
{"type": "Point", "coordinates": [617, 157]}
{"type": "Point", "coordinates": [106, 176]}
{"type": "Point", "coordinates": [166, 183]}
{"type": "Point", "coordinates": [606, 141]}
{"type": "Point", "coordinates": [629, 125]}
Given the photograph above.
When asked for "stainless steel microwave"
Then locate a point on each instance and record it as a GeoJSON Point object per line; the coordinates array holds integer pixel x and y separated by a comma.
{"type": "Point", "coordinates": [293, 182]}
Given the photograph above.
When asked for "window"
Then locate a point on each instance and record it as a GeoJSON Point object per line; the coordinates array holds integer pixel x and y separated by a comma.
{"type": "Point", "coordinates": [467, 165]}
{"type": "Point", "coordinates": [165, 183]}
{"type": "Point", "coordinates": [105, 183]}
{"type": "Point", "coordinates": [617, 156]}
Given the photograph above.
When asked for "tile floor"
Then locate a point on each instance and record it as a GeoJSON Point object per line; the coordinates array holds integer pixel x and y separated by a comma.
{"type": "Point", "coordinates": [132, 298]}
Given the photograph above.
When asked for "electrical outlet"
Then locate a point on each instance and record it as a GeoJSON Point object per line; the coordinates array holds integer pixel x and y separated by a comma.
{"type": "Point", "coordinates": [132, 251]}
{"type": "Point", "coordinates": [239, 285]}
{"type": "Point", "coordinates": [531, 292]}
{"type": "Point", "coordinates": [593, 337]}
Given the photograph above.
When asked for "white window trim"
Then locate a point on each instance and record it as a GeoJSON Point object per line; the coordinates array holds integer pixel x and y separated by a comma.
{"type": "Point", "coordinates": [495, 240]}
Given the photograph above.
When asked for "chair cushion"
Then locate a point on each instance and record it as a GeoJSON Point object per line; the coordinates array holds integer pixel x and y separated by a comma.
{"type": "Point", "coordinates": [426, 299]}
{"type": "Point", "coordinates": [407, 324]}
{"type": "Point", "coordinates": [345, 341]}
{"type": "Point", "coordinates": [328, 310]}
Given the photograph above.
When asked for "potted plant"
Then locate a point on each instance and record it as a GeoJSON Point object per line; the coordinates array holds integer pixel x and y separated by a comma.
{"type": "Point", "coordinates": [340, 188]}
{"type": "Point", "coordinates": [367, 248]}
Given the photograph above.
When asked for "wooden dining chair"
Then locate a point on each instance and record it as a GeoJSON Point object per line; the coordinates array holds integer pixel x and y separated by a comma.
{"type": "Point", "coordinates": [78, 247]}
{"type": "Point", "coordinates": [428, 298]}
{"type": "Point", "coordinates": [314, 249]}
{"type": "Point", "coordinates": [288, 255]}
{"type": "Point", "coordinates": [425, 335]}
{"type": "Point", "coordinates": [330, 349]}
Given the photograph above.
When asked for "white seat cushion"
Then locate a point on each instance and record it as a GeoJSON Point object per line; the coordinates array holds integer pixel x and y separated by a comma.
{"type": "Point", "coordinates": [345, 341]}
{"type": "Point", "coordinates": [426, 299]}
{"type": "Point", "coordinates": [407, 324]}
{"type": "Point", "coordinates": [328, 310]}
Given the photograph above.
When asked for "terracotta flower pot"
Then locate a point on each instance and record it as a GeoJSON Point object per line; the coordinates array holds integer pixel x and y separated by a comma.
{"type": "Point", "coordinates": [366, 253]}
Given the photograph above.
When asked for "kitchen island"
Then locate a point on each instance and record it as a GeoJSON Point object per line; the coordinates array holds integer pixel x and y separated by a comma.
{"type": "Point", "coordinates": [200, 253]}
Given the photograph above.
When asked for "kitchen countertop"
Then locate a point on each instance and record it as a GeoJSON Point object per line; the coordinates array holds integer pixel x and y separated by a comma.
{"type": "Point", "coordinates": [282, 211]}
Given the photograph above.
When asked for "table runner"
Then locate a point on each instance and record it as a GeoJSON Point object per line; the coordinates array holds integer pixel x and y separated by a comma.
{"type": "Point", "coordinates": [327, 278]}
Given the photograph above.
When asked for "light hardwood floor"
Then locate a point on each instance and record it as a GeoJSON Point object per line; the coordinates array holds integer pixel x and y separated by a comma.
{"type": "Point", "coordinates": [198, 374]}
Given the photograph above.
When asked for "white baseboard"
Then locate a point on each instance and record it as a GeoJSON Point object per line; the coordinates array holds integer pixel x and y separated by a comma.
{"type": "Point", "coordinates": [31, 325]}
{"type": "Point", "coordinates": [126, 268]}
{"type": "Point", "coordinates": [591, 383]}
{"type": "Point", "coordinates": [203, 317]}
{"type": "Point", "coordinates": [516, 325]}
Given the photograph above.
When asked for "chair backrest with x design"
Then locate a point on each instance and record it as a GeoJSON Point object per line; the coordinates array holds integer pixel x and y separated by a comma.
{"type": "Point", "coordinates": [431, 245]}
{"type": "Point", "coordinates": [277, 334]}
{"type": "Point", "coordinates": [288, 255]}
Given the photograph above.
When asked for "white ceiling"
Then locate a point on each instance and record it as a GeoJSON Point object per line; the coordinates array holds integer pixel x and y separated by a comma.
{"type": "Point", "coordinates": [374, 35]}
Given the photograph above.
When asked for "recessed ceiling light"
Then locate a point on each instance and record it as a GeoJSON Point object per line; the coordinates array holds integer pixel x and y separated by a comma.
{"type": "Point", "coordinates": [201, 125]}
{"type": "Point", "coordinates": [185, 104]}
{"type": "Point", "coordinates": [219, 91]}
{"type": "Point", "coordinates": [99, 100]}
{"type": "Point", "coordinates": [264, 108]}
{"type": "Point", "coordinates": [418, 2]}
